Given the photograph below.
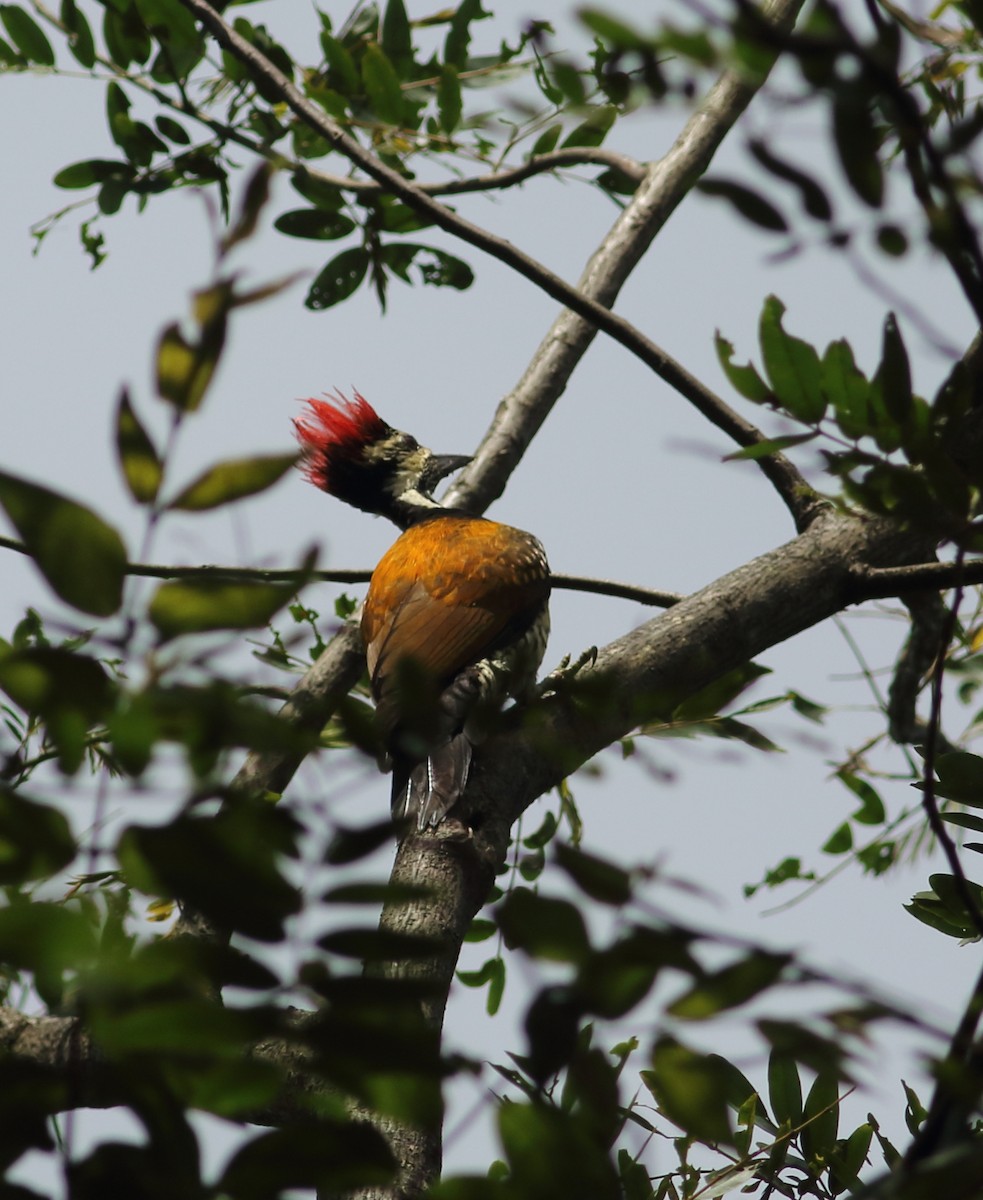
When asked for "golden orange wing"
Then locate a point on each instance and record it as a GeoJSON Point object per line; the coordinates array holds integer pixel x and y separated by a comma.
{"type": "Point", "coordinates": [447, 593]}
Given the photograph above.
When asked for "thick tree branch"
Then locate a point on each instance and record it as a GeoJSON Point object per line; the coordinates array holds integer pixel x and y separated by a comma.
{"type": "Point", "coordinates": [730, 97]}
{"type": "Point", "coordinates": [881, 583]}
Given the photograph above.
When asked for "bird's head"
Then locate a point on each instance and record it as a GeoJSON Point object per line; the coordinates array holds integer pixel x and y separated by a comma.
{"type": "Point", "coordinates": [350, 452]}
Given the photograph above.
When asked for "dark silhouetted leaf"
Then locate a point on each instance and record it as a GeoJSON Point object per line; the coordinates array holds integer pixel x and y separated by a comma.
{"type": "Point", "coordinates": [858, 143]}
{"type": "Point", "coordinates": [543, 927]}
{"type": "Point", "coordinates": [315, 224]}
{"type": "Point", "coordinates": [225, 867]}
{"type": "Point", "coordinates": [730, 987]}
{"type": "Point", "coordinates": [338, 279]}
{"type": "Point", "coordinates": [814, 199]}
{"type": "Point", "coordinates": [35, 839]}
{"type": "Point", "coordinates": [327, 1155]}
{"type": "Point", "coordinates": [750, 204]}
{"type": "Point", "coordinates": [600, 879]}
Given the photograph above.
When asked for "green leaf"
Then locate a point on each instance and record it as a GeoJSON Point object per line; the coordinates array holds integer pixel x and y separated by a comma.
{"type": "Point", "coordinates": [314, 223]}
{"type": "Point", "coordinates": [45, 937]}
{"type": "Point", "coordinates": [338, 279]}
{"type": "Point", "coordinates": [814, 199]}
{"type": "Point", "coordinates": [792, 366]}
{"type": "Point", "coordinates": [382, 85]}
{"type": "Point", "coordinates": [349, 845]}
{"type": "Point", "coordinates": [328, 1156]}
{"type": "Point", "coordinates": [91, 171]}
{"type": "Point", "coordinates": [80, 41]}
{"type": "Point", "coordinates": [893, 378]}
{"type": "Point", "coordinates": [784, 1089]}
{"type": "Point", "coordinates": [184, 369]}
{"type": "Point", "coordinates": [233, 480]}
{"type": "Point", "coordinates": [226, 866]}
{"type": "Point", "coordinates": [963, 821]}
{"type": "Point", "coordinates": [598, 878]}
{"type": "Point", "coordinates": [840, 841]}
{"type": "Point", "coordinates": [729, 987]}
{"type": "Point", "coordinates": [871, 811]}
{"type": "Point", "coordinates": [27, 35]}
{"type": "Point", "coordinates": [750, 204]}
{"type": "Point", "coordinates": [717, 695]}
{"type": "Point", "coordinates": [847, 389]}
{"type": "Point", "coordinates": [35, 840]}
{"type": "Point", "coordinates": [437, 268]}
{"type": "Point", "coordinates": [81, 557]}
{"type": "Point", "coordinates": [594, 129]}
{"type": "Point", "coordinates": [397, 39]}
{"type": "Point", "coordinates": [459, 35]}
{"type": "Point", "coordinates": [849, 1157]}
{"type": "Point", "coordinates": [543, 927]}
{"type": "Point", "coordinates": [768, 446]}
{"type": "Point", "coordinates": [821, 1117]}
{"type": "Point", "coordinates": [744, 379]}
{"type": "Point", "coordinates": [691, 1090]}
{"type": "Point", "coordinates": [342, 73]}
{"type": "Point", "coordinates": [547, 140]}
{"type": "Point", "coordinates": [740, 1089]}
{"type": "Point", "coordinates": [172, 130]}
{"type": "Point", "coordinates": [139, 461]}
{"type": "Point", "coordinates": [960, 777]}
{"type": "Point", "coordinates": [183, 606]}
{"type": "Point", "coordinates": [449, 105]}
{"type": "Point", "coordinates": [52, 681]}
{"type": "Point", "coordinates": [858, 143]}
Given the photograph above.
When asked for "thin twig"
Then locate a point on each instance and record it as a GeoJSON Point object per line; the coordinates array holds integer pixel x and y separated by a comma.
{"type": "Point", "coordinates": [572, 583]}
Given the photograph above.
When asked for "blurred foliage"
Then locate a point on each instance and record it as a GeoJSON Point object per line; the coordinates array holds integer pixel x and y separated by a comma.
{"type": "Point", "coordinates": [133, 701]}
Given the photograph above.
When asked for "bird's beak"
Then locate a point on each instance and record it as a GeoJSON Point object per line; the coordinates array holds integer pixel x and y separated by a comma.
{"type": "Point", "coordinates": [443, 465]}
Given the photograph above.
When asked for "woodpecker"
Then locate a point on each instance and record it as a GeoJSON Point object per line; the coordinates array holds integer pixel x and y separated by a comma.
{"type": "Point", "coordinates": [456, 616]}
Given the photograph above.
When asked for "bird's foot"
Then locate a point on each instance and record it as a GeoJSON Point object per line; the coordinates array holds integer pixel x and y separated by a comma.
{"type": "Point", "coordinates": [565, 673]}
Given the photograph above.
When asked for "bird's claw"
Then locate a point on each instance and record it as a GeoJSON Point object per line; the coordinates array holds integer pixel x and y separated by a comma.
{"type": "Point", "coordinates": [565, 673]}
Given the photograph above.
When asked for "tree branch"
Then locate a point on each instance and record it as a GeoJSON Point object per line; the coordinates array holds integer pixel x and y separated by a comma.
{"type": "Point", "coordinates": [499, 180]}
{"type": "Point", "coordinates": [730, 96]}
{"type": "Point", "coordinates": [571, 583]}
{"type": "Point", "coordinates": [667, 181]}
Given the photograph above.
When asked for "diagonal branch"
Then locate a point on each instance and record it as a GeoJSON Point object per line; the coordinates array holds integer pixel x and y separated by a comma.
{"type": "Point", "coordinates": [730, 96]}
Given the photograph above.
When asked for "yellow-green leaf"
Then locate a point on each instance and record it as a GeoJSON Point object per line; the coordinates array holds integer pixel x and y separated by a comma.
{"type": "Point", "coordinates": [141, 466]}
{"type": "Point", "coordinates": [232, 480]}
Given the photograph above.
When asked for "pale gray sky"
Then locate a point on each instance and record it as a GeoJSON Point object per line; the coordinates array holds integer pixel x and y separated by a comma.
{"type": "Point", "coordinates": [624, 481]}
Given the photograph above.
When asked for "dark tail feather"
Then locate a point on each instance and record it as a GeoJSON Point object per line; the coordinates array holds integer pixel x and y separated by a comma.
{"type": "Point", "coordinates": [429, 790]}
